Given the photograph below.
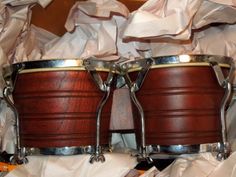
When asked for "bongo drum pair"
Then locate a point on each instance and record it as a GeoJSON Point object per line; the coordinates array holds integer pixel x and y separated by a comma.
{"type": "Point", "coordinates": [180, 103]}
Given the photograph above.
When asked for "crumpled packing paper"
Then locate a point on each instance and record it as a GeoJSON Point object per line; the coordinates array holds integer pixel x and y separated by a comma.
{"type": "Point", "coordinates": [164, 18]}
{"type": "Point", "coordinates": [43, 3]}
{"type": "Point", "coordinates": [191, 166]}
{"type": "Point", "coordinates": [7, 133]}
{"type": "Point", "coordinates": [116, 165]}
{"type": "Point", "coordinates": [215, 40]}
{"type": "Point", "coordinates": [93, 40]}
{"type": "Point", "coordinates": [94, 8]}
{"type": "Point", "coordinates": [174, 27]}
{"type": "Point", "coordinates": [175, 19]}
{"type": "Point", "coordinates": [115, 14]}
{"type": "Point", "coordinates": [183, 16]}
{"type": "Point", "coordinates": [33, 44]}
{"type": "Point", "coordinates": [198, 165]}
{"type": "Point", "coordinates": [93, 23]}
{"type": "Point", "coordinates": [230, 123]}
{"type": "Point", "coordinates": [92, 31]}
{"type": "Point", "coordinates": [14, 22]}
{"type": "Point", "coordinates": [213, 12]}
{"type": "Point", "coordinates": [218, 40]}
{"type": "Point", "coordinates": [226, 168]}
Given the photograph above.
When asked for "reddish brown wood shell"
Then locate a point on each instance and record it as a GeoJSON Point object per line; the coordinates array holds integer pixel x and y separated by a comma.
{"type": "Point", "coordinates": [58, 108]}
{"type": "Point", "coordinates": [181, 105]}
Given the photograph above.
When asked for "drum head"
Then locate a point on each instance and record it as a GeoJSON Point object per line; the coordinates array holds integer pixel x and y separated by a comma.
{"type": "Point", "coordinates": [179, 60]}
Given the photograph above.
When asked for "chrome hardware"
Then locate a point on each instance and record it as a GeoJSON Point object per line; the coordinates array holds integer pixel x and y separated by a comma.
{"type": "Point", "coordinates": [224, 83]}
{"type": "Point", "coordinates": [173, 151]}
{"type": "Point", "coordinates": [20, 157]}
{"type": "Point", "coordinates": [72, 150]}
{"type": "Point", "coordinates": [10, 79]}
{"type": "Point", "coordinates": [135, 86]}
{"type": "Point", "coordinates": [104, 86]}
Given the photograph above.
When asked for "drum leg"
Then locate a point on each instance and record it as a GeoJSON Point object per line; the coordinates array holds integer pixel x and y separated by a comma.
{"type": "Point", "coordinates": [20, 155]}
{"type": "Point", "coordinates": [104, 86]}
{"type": "Point", "coordinates": [143, 149]}
{"type": "Point", "coordinates": [135, 86]}
{"type": "Point", "coordinates": [98, 155]}
{"type": "Point", "coordinates": [225, 83]}
{"type": "Point", "coordinates": [223, 154]}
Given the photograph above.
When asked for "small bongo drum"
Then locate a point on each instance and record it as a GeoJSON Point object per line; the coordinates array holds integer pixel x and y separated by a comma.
{"type": "Point", "coordinates": [182, 101]}
{"type": "Point", "coordinates": [58, 105]}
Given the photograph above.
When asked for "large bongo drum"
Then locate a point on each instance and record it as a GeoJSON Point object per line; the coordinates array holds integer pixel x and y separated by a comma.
{"type": "Point", "coordinates": [181, 100]}
{"type": "Point", "coordinates": [57, 104]}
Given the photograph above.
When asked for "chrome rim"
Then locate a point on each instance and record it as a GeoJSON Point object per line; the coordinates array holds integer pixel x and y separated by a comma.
{"type": "Point", "coordinates": [173, 151]}
{"type": "Point", "coordinates": [74, 150]}
{"type": "Point", "coordinates": [179, 60]}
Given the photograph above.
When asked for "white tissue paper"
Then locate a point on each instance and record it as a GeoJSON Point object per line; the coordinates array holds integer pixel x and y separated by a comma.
{"type": "Point", "coordinates": [192, 166]}
{"type": "Point", "coordinates": [211, 12]}
{"type": "Point", "coordinates": [86, 40]}
{"type": "Point", "coordinates": [43, 3]}
{"type": "Point", "coordinates": [226, 168]}
{"type": "Point", "coordinates": [226, 2]}
{"type": "Point", "coordinates": [92, 31]}
{"type": "Point", "coordinates": [14, 23]}
{"type": "Point", "coordinates": [174, 18]}
{"type": "Point", "coordinates": [32, 45]}
{"type": "Point", "coordinates": [198, 165]}
{"type": "Point", "coordinates": [162, 17]}
{"type": "Point", "coordinates": [171, 27]}
{"type": "Point", "coordinates": [116, 165]}
{"type": "Point", "coordinates": [230, 123]}
{"type": "Point", "coordinates": [216, 40]}
{"type": "Point", "coordinates": [7, 133]}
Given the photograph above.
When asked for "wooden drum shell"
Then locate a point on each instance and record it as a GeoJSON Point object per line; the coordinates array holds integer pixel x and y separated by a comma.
{"type": "Point", "coordinates": [181, 105]}
{"type": "Point", "coordinates": [58, 109]}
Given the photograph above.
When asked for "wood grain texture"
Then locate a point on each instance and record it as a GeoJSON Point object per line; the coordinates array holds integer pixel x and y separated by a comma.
{"type": "Point", "coordinates": [58, 109]}
{"type": "Point", "coordinates": [181, 106]}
